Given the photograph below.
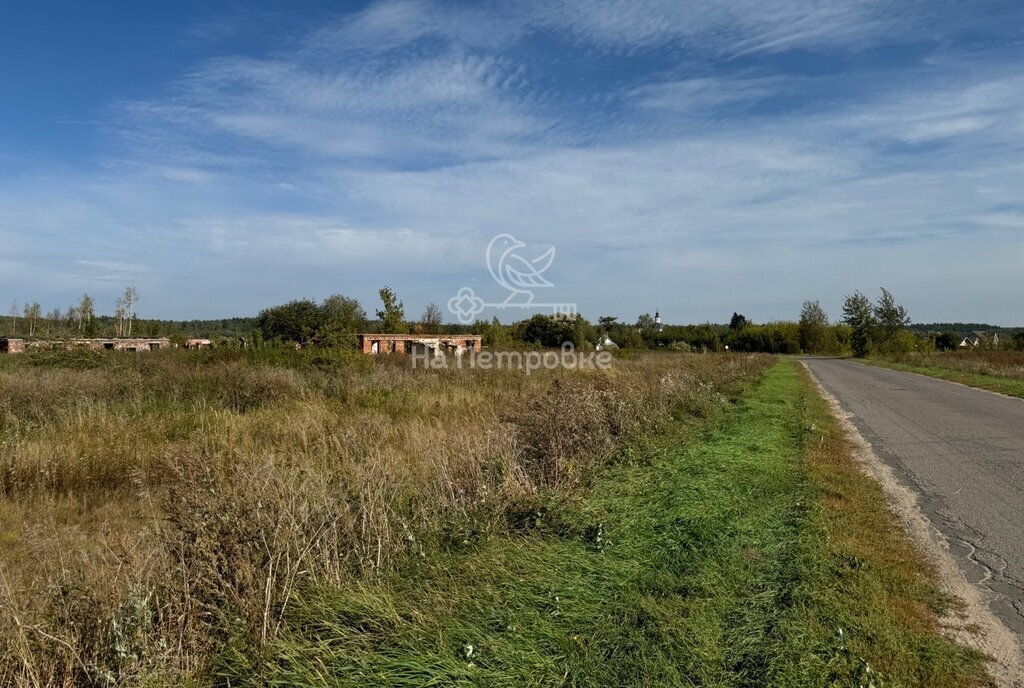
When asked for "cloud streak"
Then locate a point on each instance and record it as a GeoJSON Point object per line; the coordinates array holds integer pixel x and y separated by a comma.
{"type": "Point", "coordinates": [697, 152]}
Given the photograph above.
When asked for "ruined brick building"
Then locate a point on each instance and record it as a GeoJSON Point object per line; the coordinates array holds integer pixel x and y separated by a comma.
{"type": "Point", "coordinates": [198, 344]}
{"type": "Point", "coordinates": [16, 346]}
{"type": "Point", "coordinates": [420, 344]}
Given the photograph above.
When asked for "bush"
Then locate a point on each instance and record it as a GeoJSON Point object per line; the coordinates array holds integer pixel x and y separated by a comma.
{"type": "Point", "coordinates": [564, 433]}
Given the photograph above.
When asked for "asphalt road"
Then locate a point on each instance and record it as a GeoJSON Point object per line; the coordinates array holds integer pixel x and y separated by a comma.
{"type": "Point", "coordinates": [962, 450]}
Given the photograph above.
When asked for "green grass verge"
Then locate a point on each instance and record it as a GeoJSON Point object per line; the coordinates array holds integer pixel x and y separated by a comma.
{"type": "Point", "coordinates": [993, 383]}
{"type": "Point", "coordinates": [754, 554]}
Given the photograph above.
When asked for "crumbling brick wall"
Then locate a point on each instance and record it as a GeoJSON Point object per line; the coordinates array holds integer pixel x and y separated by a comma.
{"type": "Point", "coordinates": [407, 343]}
{"type": "Point", "coordinates": [12, 346]}
{"type": "Point", "coordinates": [17, 346]}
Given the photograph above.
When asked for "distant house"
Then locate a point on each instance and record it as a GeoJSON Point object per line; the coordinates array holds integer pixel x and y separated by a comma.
{"type": "Point", "coordinates": [980, 338]}
{"type": "Point", "coordinates": [605, 343]}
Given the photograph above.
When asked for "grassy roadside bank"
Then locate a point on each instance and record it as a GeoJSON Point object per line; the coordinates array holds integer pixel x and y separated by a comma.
{"type": "Point", "coordinates": [982, 374]}
{"type": "Point", "coordinates": [753, 554]}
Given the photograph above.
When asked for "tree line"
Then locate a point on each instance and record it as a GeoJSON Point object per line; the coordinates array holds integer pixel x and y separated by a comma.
{"type": "Point", "coordinates": [79, 320]}
{"type": "Point", "coordinates": [28, 320]}
{"type": "Point", "coordinates": [865, 327]}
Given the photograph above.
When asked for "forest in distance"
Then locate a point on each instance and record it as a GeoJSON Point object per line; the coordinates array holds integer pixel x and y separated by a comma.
{"type": "Point", "coordinates": [864, 327]}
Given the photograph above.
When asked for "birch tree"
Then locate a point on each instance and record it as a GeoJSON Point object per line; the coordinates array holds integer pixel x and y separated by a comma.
{"type": "Point", "coordinates": [85, 315]}
{"type": "Point", "coordinates": [31, 313]}
{"type": "Point", "coordinates": [53, 320]}
{"type": "Point", "coordinates": [130, 298]}
{"type": "Point", "coordinates": [119, 314]}
{"type": "Point", "coordinates": [72, 318]}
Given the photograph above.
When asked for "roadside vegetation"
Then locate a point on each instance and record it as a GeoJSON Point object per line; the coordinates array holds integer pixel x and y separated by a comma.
{"type": "Point", "coordinates": [994, 370]}
{"type": "Point", "coordinates": [320, 517]}
{"type": "Point", "coordinates": [753, 552]}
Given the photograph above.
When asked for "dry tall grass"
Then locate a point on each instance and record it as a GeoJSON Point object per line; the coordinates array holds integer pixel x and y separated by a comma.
{"type": "Point", "coordinates": [153, 507]}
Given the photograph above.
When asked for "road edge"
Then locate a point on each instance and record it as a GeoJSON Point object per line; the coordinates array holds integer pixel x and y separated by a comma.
{"type": "Point", "coordinates": [876, 364]}
{"type": "Point", "coordinates": [974, 625]}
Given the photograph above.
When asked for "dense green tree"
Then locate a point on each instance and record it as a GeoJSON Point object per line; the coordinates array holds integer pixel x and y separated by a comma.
{"type": "Point", "coordinates": [555, 330]}
{"type": "Point", "coordinates": [542, 330]}
{"type": "Point", "coordinates": [772, 338]}
{"type": "Point", "coordinates": [843, 335]}
{"type": "Point", "coordinates": [816, 336]}
{"type": "Point", "coordinates": [860, 316]}
{"type": "Point", "coordinates": [706, 337]}
{"type": "Point", "coordinates": [342, 319]}
{"type": "Point", "coordinates": [496, 335]}
{"type": "Point", "coordinates": [737, 322]}
{"type": "Point", "coordinates": [627, 337]}
{"type": "Point", "coordinates": [583, 333]}
{"type": "Point", "coordinates": [392, 317]}
{"type": "Point", "coordinates": [645, 321]}
{"type": "Point", "coordinates": [890, 321]}
{"type": "Point", "coordinates": [947, 341]}
{"type": "Point", "coordinates": [296, 321]}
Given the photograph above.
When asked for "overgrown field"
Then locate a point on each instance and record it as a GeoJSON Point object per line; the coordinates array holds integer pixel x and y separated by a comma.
{"type": "Point", "coordinates": [998, 371]}
{"type": "Point", "coordinates": [755, 554]}
{"type": "Point", "coordinates": [294, 518]}
{"type": "Point", "coordinates": [156, 507]}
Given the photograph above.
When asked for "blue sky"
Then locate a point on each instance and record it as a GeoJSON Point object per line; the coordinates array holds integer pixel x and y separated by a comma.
{"type": "Point", "coordinates": [696, 157]}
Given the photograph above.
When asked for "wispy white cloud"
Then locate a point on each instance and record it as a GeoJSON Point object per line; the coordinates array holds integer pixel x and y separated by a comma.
{"type": "Point", "coordinates": [942, 109]}
{"type": "Point", "coordinates": [703, 96]}
{"type": "Point", "coordinates": [722, 28]}
{"type": "Point", "coordinates": [730, 28]}
{"type": "Point", "coordinates": [390, 144]}
{"type": "Point", "coordinates": [389, 24]}
{"type": "Point", "coordinates": [453, 103]}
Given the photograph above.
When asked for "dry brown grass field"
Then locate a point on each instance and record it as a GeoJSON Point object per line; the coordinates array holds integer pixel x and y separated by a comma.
{"type": "Point", "coordinates": [154, 506]}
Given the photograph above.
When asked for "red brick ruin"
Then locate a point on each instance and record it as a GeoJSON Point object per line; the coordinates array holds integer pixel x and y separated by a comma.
{"type": "Point", "coordinates": [419, 344]}
{"type": "Point", "coordinates": [17, 346]}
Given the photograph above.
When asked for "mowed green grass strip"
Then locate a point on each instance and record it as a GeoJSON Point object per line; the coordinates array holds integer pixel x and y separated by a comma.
{"type": "Point", "coordinates": [994, 383]}
{"type": "Point", "coordinates": [752, 554]}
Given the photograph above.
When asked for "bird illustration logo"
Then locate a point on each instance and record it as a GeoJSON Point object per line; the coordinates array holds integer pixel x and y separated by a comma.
{"type": "Point", "coordinates": [516, 273]}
